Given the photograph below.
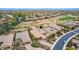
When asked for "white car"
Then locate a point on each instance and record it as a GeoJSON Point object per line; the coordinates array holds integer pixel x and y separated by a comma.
{"type": "Point", "coordinates": [64, 41]}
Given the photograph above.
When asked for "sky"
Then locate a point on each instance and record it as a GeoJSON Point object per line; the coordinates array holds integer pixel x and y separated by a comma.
{"type": "Point", "coordinates": [39, 3]}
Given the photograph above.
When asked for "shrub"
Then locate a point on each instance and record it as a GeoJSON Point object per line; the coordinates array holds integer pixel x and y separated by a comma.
{"type": "Point", "coordinates": [70, 48]}
{"type": "Point", "coordinates": [17, 42]}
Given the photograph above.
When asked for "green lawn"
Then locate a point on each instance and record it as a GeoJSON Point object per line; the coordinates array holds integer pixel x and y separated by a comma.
{"type": "Point", "coordinates": [67, 18]}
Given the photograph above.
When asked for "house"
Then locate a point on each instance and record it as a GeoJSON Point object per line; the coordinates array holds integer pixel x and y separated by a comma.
{"type": "Point", "coordinates": [8, 15]}
{"type": "Point", "coordinates": [56, 27]}
{"type": "Point", "coordinates": [7, 40]}
{"type": "Point", "coordinates": [72, 23]}
{"type": "Point", "coordinates": [75, 43]}
{"type": "Point", "coordinates": [2, 38]}
{"type": "Point", "coordinates": [49, 30]}
{"type": "Point", "coordinates": [44, 32]}
{"type": "Point", "coordinates": [38, 33]}
{"type": "Point", "coordinates": [6, 18]}
{"type": "Point", "coordinates": [23, 36]}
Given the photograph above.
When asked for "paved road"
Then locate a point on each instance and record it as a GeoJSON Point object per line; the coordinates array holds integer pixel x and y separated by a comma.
{"type": "Point", "coordinates": [62, 40]}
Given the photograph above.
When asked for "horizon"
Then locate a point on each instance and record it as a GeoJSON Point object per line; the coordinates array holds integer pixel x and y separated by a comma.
{"type": "Point", "coordinates": [70, 9]}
